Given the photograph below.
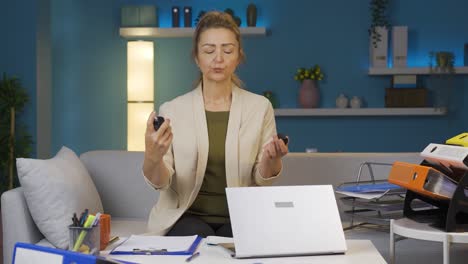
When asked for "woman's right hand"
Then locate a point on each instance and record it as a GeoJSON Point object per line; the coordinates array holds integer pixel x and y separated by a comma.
{"type": "Point", "coordinates": [157, 142]}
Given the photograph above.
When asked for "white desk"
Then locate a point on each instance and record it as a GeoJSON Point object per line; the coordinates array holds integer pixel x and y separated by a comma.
{"type": "Point", "coordinates": [359, 251]}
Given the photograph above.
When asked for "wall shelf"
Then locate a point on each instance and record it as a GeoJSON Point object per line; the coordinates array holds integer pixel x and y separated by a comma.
{"type": "Point", "coordinates": [424, 111]}
{"type": "Point", "coordinates": [410, 70]}
{"type": "Point", "coordinates": [182, 32]}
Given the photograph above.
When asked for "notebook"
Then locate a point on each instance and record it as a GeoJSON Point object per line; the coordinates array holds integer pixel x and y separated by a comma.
{"type": "Point", "coordinates": [285, 221]}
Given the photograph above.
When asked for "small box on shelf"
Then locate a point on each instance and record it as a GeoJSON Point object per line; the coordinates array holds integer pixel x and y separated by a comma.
{"type": "Point", "coordinates": [138, 16]}
{"type": "Point", "coordinates": [406, 97]}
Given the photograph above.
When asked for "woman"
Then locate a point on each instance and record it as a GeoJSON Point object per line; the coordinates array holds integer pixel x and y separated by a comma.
{"type": "Point", "coordinates": [215, 136]}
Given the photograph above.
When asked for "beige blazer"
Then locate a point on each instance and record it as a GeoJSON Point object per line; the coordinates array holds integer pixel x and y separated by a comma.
{"type": "Point", "coordinates": [251, 125]}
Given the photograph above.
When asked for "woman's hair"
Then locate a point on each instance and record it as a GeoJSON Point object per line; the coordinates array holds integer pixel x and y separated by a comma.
{"type": "Point", "coordinates": [216, 19]}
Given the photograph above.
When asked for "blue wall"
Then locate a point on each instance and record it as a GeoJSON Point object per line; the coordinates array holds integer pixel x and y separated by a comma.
{"type": "Point", "coordinates": [18, 52]}
{"type": "Point", "coordinates": [89, 69]}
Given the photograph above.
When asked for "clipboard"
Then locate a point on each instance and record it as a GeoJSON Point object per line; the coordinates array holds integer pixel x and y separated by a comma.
{"type": "Point", "coordinates": [157, 251]}
{"type": "Point", "coordinates": [30, 253]}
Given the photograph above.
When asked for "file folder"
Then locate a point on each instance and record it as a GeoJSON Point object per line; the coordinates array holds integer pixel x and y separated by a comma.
{"type": "Point", "coordinates": [25, 253]}
{"type": "Point", "coordinates": [446, 156]}
{"type": "Point", "coordinates": [458, 140]}
{"type": "Point", "coordinates": [157, 245]}
{"type": "Point", "coordinates": [421, 179]}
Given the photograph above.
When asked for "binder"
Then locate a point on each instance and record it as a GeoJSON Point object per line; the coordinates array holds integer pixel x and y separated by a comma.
{"type": "Point", "coordinates": [421, 179]}
{"type": "Point", "coordinates": [145, 245]}
{"type": "Point", "coordinates": [458, 140]}
{"type": "Point", "coordinates": [446, 156]}
{"type": "Point", "coordinates": [25, 253]}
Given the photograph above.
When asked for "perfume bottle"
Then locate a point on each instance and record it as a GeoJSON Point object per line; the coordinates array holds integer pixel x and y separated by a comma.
{"type": "Point", "coordinates": [175, 16]}
{"type": "Point", "coordinates": [187, 16]}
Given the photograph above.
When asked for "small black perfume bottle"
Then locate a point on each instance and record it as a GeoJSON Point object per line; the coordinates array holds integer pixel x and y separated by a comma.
{"type": "Point", "coordinates": [175, 16]}
{"type": "Point", "coordinates": [187, 16]}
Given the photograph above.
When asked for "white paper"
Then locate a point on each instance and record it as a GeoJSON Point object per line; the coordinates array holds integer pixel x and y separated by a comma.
{"type": "Point", "coordinates": [367, 196]}
{"type": "Point", "coordinates": [169, 243]}
{"type": "Point", "coordinates": [31, 256]}
{"type": "Point", "coordinates": [215, 240]}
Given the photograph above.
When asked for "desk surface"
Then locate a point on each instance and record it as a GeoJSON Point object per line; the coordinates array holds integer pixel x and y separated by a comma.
{"type": "Point", "coordinates": [359, 251]}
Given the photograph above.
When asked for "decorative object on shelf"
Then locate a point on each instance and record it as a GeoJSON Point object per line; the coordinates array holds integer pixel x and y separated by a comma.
{"type": "Point", "coordinates": [378, 32]}
{"type": "Point", "coordinates": [138, 16]}
{"type": "Point", "coordinates": [187, 16]}
{"type": "Point", "coordinates": [15, 139]}
{"type": "Point", "coordinates": [441, 69]}
{"type": "Point", "coordinates": [406, 97]}
{"type": "Point", "coordinates": [271, 97]}
{"type": "Point", "coordinates": [309, 95]}
{"type": "Point", "coordinates": [236, 18]}
{"type": "Point", "coordinates": [355, 102]}
{"type": "Point", "coordinates": [379, 52]}
{"type": "Point", "coordinates": [251, 15]}
{"type": "Point", "coordinates": [400, 46]}
{"type": "Point", "coordinates": [200, 15]}
{"type": "Point", "coordinates": [175, 16]}
{"type": "Point", "coordinates": [379, 19]}
{"type": "Point", "coordinates": [465, 55]}
{"type": "Point", "coordinates": [341, 101]}
{"type": "Point", "coordinates": [443, 61]}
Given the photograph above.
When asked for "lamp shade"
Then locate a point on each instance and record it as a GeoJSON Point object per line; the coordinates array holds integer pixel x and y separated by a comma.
{"type": "Point", "coordinates": [140, 71]}
{"type": "Point", "coordinates": [136, 125]}
{"type": "Point", "coordinates": [140, 91]}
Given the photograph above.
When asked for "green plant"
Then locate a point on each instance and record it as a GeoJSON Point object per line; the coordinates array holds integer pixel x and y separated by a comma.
{"type": "Point", "coordinates": [312, 73]}
{"type": "Point", "coordinates": [14, 138]}
{"type": "Point", "coordinates": [378, 11]}
{"type": "Point", "coordinates": [441, 62]}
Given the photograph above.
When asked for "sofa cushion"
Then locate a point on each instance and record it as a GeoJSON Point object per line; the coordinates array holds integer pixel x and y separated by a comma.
{"type": "Point", "coordinates": [54, 189]}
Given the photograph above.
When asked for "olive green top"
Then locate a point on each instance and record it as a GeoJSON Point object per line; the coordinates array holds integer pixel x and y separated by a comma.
{"type": "Point", "coordinates": [211, 203]}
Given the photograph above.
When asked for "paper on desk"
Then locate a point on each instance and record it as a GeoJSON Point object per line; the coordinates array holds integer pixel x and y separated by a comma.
{"type": "Point", "coordinates": [214, 240]}
{"type": "Point", "coordinates": [367, 196]}
{"type": "Point", "coordinates": [170, 243]}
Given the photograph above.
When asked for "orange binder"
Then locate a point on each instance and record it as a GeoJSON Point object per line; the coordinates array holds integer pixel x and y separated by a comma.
{"type": "Point", "coordinates": [420, 179]}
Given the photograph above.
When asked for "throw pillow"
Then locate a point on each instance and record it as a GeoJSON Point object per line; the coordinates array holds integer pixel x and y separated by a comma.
{"type": "Point", "coordinates": [54, 189]}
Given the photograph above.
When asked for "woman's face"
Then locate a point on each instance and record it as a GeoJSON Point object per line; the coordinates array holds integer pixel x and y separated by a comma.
{"type": "Point", "coordinates": [218, 54]}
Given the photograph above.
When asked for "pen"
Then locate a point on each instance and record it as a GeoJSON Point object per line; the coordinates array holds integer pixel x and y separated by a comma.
{"type": "Point", "coordinates": [194, 255]}
{"type": "Point", "coordinates": [113, 239]}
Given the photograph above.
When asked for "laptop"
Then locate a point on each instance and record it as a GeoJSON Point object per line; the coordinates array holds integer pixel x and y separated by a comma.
{"type": "Point", "coordinates": [285, 221]}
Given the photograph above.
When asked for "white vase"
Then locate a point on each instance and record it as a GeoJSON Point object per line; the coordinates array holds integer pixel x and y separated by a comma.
{"type": "Point", "coordinates": [356, 102]}
{"type": "Point", "coordinates": [341, 101]}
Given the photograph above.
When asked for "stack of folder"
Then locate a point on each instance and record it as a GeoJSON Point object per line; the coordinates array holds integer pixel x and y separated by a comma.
{"type": "Point", "coordinates": [422, 179]}
{"type": "Point", "coordinates": [439, 176]}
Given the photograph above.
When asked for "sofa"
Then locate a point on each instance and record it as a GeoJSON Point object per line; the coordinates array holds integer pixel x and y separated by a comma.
{"type": "Point", "coordinates": [128, 199]}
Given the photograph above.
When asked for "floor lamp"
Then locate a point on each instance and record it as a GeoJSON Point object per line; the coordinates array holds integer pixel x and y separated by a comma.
{"type": "Point", "coordinates": [140, 91]}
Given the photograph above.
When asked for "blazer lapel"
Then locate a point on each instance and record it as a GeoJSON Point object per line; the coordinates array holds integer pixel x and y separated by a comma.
{"type": "Point", "coordinates": [232, 139]}
{"type": "Point", "coordinates": [201, 131]}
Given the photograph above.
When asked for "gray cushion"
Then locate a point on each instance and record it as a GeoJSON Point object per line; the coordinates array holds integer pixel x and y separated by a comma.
{"type": "Point", "coordinates": [54, 189]}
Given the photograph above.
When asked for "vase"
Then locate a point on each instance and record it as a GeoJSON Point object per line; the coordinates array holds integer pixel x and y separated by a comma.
{"type": "Point", "coordinates": [251, 15]}
{"type": "Point", "coordinates": [309, 94]}
{"type": "Point", "coordinates": [356, 102]}
{"type": "Point", "coordinates": [341, 101]}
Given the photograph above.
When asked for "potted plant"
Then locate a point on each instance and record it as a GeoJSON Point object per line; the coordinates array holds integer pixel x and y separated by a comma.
{"type": "Point", "coordinates": [15, 138]}
{"type": "Point", "coordinates": [379, 19]}
{"type": "Point", "coordinates": [441, 62]}
{"type": "Point", "coordinates": [308, 93]}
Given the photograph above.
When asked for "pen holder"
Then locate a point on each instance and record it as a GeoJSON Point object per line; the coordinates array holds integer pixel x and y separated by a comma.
{"type": "Point", "coordinates": [85, 239]}
{"type": "Point", "coordinates": [105, 226]}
